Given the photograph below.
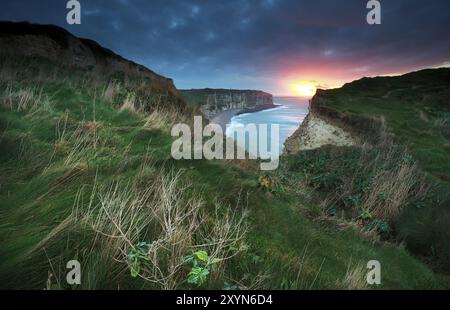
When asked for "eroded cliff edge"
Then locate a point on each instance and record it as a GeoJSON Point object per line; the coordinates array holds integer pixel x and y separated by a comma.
{"type": "Point", "coordinates": [320, 127]}
{"type": "Point", "coordinates": [214, 101]}
{"type": "Point", "coordinates": [405, 115]}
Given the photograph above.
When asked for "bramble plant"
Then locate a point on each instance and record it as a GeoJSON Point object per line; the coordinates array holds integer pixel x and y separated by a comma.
{"type": "Point", "coordinates": [201, 264]}
{"type": "Point", "coordinates": [138, 254]}
{"type": "Point", "coordinates": [365, 214]}
{"type": "Point", "coordinates": [380, 226]}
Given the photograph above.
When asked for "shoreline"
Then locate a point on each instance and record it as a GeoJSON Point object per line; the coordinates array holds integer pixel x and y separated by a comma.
{"type": "Point", "coordinates": [224, 118]}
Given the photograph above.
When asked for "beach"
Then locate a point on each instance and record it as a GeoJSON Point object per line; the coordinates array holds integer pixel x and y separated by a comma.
{"type": "Point", "coordinates": [288, 113]}
{"type": "Point", "coordinates": [224, 118]}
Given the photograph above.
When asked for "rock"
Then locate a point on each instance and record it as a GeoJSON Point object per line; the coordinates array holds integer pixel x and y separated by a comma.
{"type": "Point", "coordinates": [215, 101]}
{"type": "Point", "coordinates": [317, 131]}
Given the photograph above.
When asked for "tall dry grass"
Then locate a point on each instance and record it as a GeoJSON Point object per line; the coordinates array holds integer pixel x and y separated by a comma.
{"type": "Point", "coordinates": [110, 91]}
{"type": "Point", "coordinates": [129, 104]}
{"type": "Point", "coordinates": [163, 119]}
{"type": "Point", "coordinates": [159, 209]}
{"type": "Point", "coordinates": [81, 144]}
{"type": "Point", "coordinates": [171, 222]}
{"type": "Point", "coordinates": [392, 190]}
{"type": "Point", "coordinates": [397, 181]}
{"type": "Point", "coordinates": [305, 271]}
{"type": "Point", "coordinates": [25, 99]}
{"type": "Point", "coordinates": [355, 278]}
{"type": "Point", "coordinates": [384, 180]}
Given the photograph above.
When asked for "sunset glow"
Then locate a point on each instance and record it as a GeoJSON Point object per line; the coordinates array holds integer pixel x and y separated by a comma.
{"type": "Point", "coordinates": [304, 89]}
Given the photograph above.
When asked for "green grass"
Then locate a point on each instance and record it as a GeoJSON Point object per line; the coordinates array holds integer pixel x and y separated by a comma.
{"type": "Point", "coordinates": [283, 249]}
{"type": "Point", "coordinates": [416, 111]}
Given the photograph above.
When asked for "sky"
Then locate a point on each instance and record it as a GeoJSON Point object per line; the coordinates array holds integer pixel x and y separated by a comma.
{"type": "Point", "coordinates": [269, 45]}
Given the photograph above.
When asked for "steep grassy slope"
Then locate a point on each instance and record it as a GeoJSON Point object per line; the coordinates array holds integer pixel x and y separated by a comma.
{"type": "Point", "coordinates": [85, 175]}
{"type": "Point", "coordinates": [414, 110]}
{"type": "Point", "coordinates": [58, 46]}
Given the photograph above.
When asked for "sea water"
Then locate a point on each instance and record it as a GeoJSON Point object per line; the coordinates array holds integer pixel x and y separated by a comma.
{"type": "Point", "coordinates": [289, 114]}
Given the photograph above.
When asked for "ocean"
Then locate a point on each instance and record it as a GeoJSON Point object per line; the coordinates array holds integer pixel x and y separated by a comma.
{"type": "Point", "coordinates": [289, 114]}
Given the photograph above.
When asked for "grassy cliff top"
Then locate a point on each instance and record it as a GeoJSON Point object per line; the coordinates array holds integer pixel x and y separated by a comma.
{"type": "Point", "coordinates": [199, 96]}
{"type": "Point", "coordinates": [87, 175]}
{"type": "Point", "coordinates": [414, 109]}
{"type": "Point", "coordinates": [33, 43]}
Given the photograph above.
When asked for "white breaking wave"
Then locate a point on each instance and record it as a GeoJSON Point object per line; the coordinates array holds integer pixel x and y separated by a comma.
{"type": "Point", "coordinates": [288, 115]}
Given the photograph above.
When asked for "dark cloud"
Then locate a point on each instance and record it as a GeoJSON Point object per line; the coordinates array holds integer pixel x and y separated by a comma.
{"type": "Point", "coordinates": [257, 43]}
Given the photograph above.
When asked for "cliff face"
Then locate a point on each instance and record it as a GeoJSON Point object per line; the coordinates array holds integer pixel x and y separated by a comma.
{"type": "Point", "coordinates": [214, 101]}
{"type": "Point", "coordinates": [318, 129]}
{"type": "Point", "coordinates": [62, 48]}
{"type": "Point", "coordinates": [371, 108]}
{"type": "Point", "coordinates": [410, 114]}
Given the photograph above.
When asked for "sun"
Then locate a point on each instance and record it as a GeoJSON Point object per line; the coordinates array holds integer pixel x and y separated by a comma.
{"type": "Point", "coordinates": [304, 89]}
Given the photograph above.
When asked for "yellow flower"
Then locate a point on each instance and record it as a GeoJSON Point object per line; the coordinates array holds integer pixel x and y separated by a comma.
{"type": "Point", "coordinates": [264, 182]}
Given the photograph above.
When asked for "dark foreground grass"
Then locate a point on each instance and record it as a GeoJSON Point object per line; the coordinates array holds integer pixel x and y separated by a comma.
{"type": "Point", "coordinates": [53, 158]}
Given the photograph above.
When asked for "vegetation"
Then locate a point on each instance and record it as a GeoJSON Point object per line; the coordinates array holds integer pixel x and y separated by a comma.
{"type": "Point", "coordinates": [412, 112]}
{"type": "Point", "coordinates": [86, 174]}
{"type": "Point", "coordinates": [365, 184]}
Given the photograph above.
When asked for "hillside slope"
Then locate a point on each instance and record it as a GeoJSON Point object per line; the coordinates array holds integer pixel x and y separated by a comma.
{"type": "Point", "coordinates": [58, 46]}
{"type": "Point", "coordinates": [86, 173]}
{"type": "Point", "coordinates": [413, 110]}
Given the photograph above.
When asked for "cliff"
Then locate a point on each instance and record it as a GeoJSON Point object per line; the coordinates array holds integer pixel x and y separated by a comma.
{"type": "Point", "coordinates": [317, 131]}
{"type": "Point", "coordinates": [59, 47]}
{"type": "Point", "coordinates": [214, 101]}
{"type": "Point", "coordinates": [369, 108]}
{"type": "Point", "coordinates": [412, 114]}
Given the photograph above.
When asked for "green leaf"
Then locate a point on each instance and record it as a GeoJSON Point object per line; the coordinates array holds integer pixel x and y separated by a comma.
{"type": "Point", "coordinates": [142, 244]}
{"type": "Point", "coordinates": [135, 268]}
{"type": "Point", "coordinates": [202, 255]}
{"type": "Point", "coordinates": [198, 275]}
{"type": "Point", "coordinates": [256, 259]}
{"type": "Point", "coordinates": [188, 259]}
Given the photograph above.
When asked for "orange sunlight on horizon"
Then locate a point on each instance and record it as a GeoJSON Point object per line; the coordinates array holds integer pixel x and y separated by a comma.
{"type": "Point", "coordinates": [304, 89]}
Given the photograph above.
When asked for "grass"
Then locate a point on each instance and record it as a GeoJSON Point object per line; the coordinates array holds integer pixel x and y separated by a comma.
{"type": "Point", "coordinates": [355, 278]}
{"type": "Point", "coordinates": [90, 181]}
{"type": "Point", "coordinates": [414, 110]}
{"type": "Point", "coordinates": [366, 184]}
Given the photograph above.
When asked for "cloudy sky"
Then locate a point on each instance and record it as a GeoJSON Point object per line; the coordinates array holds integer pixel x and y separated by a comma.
{"type": "Point", "coordinates": [258, 44]}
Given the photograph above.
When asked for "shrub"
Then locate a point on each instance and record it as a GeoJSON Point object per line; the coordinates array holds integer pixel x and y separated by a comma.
{"type": "Point", "coordinates": [367, 183]}
{"type": "Point", "coordinates": [200, 267]}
